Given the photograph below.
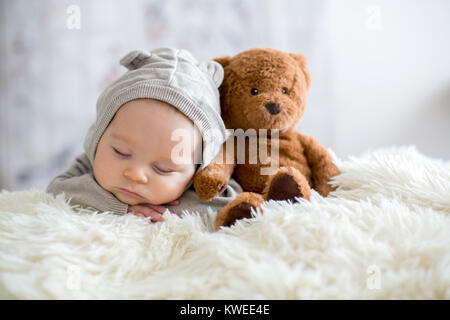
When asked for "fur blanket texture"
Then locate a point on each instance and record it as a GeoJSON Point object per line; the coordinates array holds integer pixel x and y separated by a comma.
{"type": "Point", "coordinates": [383, 234]}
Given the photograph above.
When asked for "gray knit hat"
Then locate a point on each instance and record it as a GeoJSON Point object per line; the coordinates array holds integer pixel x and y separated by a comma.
{"type": "Point", "coordinates": [175, 77]}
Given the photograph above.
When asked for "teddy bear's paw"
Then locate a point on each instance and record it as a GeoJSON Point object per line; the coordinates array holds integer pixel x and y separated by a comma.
{"type": "Point", "coordinates": [239, 208]}
{"type": "Point", "coordinates": [208, 187]}
{"type": "Point", "coordinates": [287, 184]}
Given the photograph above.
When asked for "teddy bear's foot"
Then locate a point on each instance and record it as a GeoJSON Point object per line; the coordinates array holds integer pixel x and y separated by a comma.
{"type": "Point", "coordinates": [287, 184]}
{"type": "Point", "coordinates": [239, 208]}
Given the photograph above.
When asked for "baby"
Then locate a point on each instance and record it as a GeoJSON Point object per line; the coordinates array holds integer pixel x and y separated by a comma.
{"type": "Point", "coordinates": [167, 104]}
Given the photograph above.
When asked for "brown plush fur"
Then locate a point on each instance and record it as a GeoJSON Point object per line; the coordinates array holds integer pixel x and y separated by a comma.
{"type": "Point", "coordinates": [282, 82]}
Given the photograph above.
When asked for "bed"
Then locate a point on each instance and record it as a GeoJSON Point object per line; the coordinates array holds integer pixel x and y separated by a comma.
{"type": "Point", "coordinates": [383, 234]}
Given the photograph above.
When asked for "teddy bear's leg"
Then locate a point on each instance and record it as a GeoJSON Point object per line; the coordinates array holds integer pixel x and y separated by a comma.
{"type": "Point", "coordinates": [239, 208]}
{"type": "Point", "coordinates": [287, 184]}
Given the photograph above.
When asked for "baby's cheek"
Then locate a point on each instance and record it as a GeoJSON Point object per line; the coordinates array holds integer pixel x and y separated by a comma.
{"type": "Point", "coordinates": [98, 175]}
{"type": "Point", "coordinates": [164, 189]}
{"type": "Point", "coordinates": [103, 171]}
{"type": "Point", "coordinates": [182, 183]}
{"type": "Point", "coordinates": [170, 189]}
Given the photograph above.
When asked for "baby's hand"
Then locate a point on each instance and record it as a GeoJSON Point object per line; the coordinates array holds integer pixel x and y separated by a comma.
{"type": "Point", "coordinates": [149, 210]}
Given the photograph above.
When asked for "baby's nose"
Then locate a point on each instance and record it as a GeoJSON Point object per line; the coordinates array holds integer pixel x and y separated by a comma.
{"type": "Point", "coordinates": [136, 174]}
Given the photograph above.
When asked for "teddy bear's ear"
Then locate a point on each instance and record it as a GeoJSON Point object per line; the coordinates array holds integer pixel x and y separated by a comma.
{"type": "Point", "coordinates": [301, 60]}
{"type": "Point", "coordinates": [224, 61]}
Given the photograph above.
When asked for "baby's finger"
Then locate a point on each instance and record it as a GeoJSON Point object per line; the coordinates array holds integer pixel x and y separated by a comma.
{"type": "Point", "coordinates": [146, 212]}
{"type": "Point", "coordinates": [136, 210]}
{"type": "Point", "coordinates": [173, 203]}
{"type": "Point", "coordinates": [156, 217]}
{"type": "Point", "coordinates": [149, 212]}
{"type": "Point", "coordinates": [143, 211]}
{"type": "Point", "coordinates": [160, 209]}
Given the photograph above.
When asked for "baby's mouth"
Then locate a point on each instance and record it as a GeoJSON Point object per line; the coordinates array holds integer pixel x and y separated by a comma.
{"type": "Point", "coordinates": [131, 193]}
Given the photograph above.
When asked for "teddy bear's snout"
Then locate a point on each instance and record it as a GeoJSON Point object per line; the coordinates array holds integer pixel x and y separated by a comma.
{"type": "Point", "coordinates": [273, 108]}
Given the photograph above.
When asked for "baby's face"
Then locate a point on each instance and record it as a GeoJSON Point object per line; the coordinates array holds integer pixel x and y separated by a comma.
{"type": "Point", "coordinates": [135, 159]}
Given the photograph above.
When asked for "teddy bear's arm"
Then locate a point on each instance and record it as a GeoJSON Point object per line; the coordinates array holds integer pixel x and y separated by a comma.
{"type": "Point", "coordinates": [209, 182]}
{"type": "Point", "coordinates": [319, 160]}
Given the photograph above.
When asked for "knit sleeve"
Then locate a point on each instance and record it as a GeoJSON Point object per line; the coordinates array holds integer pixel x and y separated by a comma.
{"type": "Point", "coordinates": [79, 186]}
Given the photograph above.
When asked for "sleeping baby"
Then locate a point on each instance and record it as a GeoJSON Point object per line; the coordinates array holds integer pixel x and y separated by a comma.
{"type": "Point", "coordinates": [156, 126]}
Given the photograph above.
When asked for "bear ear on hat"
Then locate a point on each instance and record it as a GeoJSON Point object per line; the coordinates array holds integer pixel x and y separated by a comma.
{"type": "Point", "coordinates": [301, 61]}
{"type": "Point", "coordinates": [135, 59]}
{"type": "Point", "coordinates": [214, 69]}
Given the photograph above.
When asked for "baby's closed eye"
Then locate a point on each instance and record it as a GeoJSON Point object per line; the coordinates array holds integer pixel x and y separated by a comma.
{"type": "Point", "coordinates": [161, 169]}
{"type": "Point", "coordinates": [121, 153]}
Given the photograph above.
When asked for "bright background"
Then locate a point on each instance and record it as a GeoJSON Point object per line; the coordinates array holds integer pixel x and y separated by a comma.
{"type": "Point", "coordinates": [380, 69]}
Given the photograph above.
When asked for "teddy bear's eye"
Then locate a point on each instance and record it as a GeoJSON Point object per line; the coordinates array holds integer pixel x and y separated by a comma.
{"type": "Point", "coordinates": [254, 91]}
{"type": "Point", "coordinates": [284, 90]}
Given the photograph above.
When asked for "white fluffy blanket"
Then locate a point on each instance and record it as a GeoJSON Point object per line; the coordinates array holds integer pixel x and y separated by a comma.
{"type": "Point", "coordinates": [383, 234]}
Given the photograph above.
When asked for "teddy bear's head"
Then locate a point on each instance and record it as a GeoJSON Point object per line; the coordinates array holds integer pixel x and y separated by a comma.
{"type": "Point", "coordinates": [263, 89]}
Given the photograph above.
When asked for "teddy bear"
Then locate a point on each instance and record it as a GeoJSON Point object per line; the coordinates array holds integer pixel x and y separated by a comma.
{"type": "Point", "coordinates": [263, 98]}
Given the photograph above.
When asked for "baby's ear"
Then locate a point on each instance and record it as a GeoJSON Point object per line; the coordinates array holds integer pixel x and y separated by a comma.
{"type": "Point", "coordinates": [301, 61]}
{"type": "Point", "coordinates": [214, 69]}
{"type": "Point", "coordinates": [135, 59]}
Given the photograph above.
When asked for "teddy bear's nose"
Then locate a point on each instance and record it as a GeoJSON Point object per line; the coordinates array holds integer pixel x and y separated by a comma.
{"type": "Point", "coordinates": [273, 108]}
